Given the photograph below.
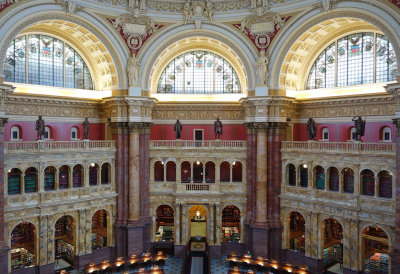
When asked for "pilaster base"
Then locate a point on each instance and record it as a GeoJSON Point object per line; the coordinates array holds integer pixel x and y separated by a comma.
{"type": "Point", "coordinates": [46, 269]}
{"type": "Point", "coordinates": [179, 251]}
{"type": "Point", "coordinates": [228, 248]}
{"type": "Point", "coordinates": [4, 260]}
{"type": "Point", "coordinates": [97, 256]}
{"type": "Point", "coordinates": [259, 241]}
{"type": "Point", "coordinates": [275, 243]}
{"type": "Point", "coordinates": [297, 258]}
{"type": "Point", "coordinates": [214, 251]}
{"type": "Point", "coordinates": [120, 241]}
{"type": "Point", "coordinates": [135, 240]}
{"type": "Point", "coordinates": [395, 256]}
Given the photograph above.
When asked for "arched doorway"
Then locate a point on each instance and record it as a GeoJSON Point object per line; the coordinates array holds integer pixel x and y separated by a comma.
{"type": "Point", "coordinates": [164, 224]}
{"type": "Point", "coordinates": [198, 172]}
{"type": "Point", "coordinates": [198, 222]}
{"type": "Point", "coordinates": [297, 232]}
{"type": "Point", "coordinates": [319, 175]}
{"type": "Point", "coordinates": [332, 231]}
{"type": "Point", "coordinates": [23, 246]}
{"type": "Point", "coordinates": [100, 229]}
{"type": "Point", "coordinates": [64, 235]}
{"type": "Point", "coordinates": [231, 224]}
{"type": "Point", "coordinates": [375, 250]}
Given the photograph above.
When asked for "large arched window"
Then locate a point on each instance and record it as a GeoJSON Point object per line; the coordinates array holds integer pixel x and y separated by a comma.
{"type": "Point", "coordinates": [360, 58]}
{"type": "Point", "coordinates": [44, 60]}
{"type": "Point", "coordinates": [199, 72]}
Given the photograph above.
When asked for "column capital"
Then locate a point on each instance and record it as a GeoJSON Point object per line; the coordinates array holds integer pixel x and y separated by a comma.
{"type": "Point", "coordinates": [260, 126]}
{"type": "Point", "coordinates": [277, 127]}
{"type": "Point", "coordinates": [394, 90]}
{"type": "Point", "coordinates": [396, 122]}
{"type": "Point", "coordinates": [141, 127]}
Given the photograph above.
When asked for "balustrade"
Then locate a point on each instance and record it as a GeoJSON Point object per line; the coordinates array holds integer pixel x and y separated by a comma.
{"type": "Point", "coordinates": [350, 147]}
{"type": "Point", "coordinates": [193, 144]}
{"type": "Point", "coordinates": [35, 146]}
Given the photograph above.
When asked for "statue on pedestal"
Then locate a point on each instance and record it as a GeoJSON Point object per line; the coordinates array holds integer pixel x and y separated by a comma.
{"type": "Point", "coordinates": [178, 129]}
{"type": "Point", "coordinates": [40, 127]}
{"type": "Point", "coordinates": [133, 68]}
{"type": "Point", "coordinates": [86, 129]}
{"type": "Point", "coordinates": [262, 69]}
{"type": "Point", "coordinates": [218, 129]}
{"type": "Point", "coordinates": [359, 124]}
{"type": "Point", "coordinates": [311, 129]}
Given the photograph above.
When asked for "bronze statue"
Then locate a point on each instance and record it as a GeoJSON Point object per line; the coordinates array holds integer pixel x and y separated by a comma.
{"type": "Point", "coordinates": [218, 129]}
{"type": "Point", "coordinates": [311, 129]}
{"type": "Point", "coordinates": [86, 129]}
{"type": "Point", "coordinates": [178, 129]}
{"type": "Point", "coordinates": [40, 127]}
{"type": "Point", "coordinates": [360, 127]}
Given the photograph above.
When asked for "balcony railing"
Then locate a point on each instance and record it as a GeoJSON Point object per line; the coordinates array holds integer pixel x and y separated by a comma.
{"type": "Point", "coordinates": [349, 147]}
{"type": "Point", "coordinates": [193, 144]}
{"type": "Point", "coordinates": [36, 146]}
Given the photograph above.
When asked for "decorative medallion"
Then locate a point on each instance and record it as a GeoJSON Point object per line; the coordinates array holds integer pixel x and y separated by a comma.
{"type": "Point", "coordinates": [261, 29]}
{"type": "Point", "coordinates": [134, 30]}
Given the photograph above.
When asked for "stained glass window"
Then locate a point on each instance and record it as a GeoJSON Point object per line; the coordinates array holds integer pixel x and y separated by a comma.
{"type": "Point", "coordinates": [360, 58]}
{"type": "Point", "coordinates": [45, 60]}
{"type": "Point", "coordinates": [199, 72]}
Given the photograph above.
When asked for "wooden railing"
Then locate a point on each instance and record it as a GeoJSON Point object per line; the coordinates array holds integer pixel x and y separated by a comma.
{"type": "Point", "coordinates": [57, 145]}
{"type": "Point", "coordinates": [194, 144]}
{"type": "Point", "coordinates": [351, 147]}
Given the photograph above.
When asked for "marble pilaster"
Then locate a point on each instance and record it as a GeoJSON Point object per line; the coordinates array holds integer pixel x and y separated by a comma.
{"type": "Point", "coordinates": [134, 169]}
{"type": "Point", "coordinates": [261, 174]}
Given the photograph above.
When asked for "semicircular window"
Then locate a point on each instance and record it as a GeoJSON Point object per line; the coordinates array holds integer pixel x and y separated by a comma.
{"type": "Point", "coordinates": [44, 60]}
{"type": "Point", "coordinates": [356, 59]}
{"type": "Point", "coordinates": [199, 72]}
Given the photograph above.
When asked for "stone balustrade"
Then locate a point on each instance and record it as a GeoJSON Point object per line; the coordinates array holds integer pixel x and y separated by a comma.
{"type": "Point", "coordinates": [182, 144]}
{"type": "Point", "coordinates": [192, 188]}
{"type": "Point", "coordinates": [344, 147]}
{"type": "Point", "coordinates": [51, 146]}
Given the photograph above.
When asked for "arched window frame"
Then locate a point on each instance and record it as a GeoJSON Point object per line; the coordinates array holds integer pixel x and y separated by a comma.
{"type": "Point", "coordinates": [325, 134]}
{"type": "Point", "coordinates": [217, 75]}
{"type": "Point", "coordinates": [30, 69]}
{"type": "Point", "coordinates": [335, 71]}
{"type": "Point", "coordinates": [74, 134]}
{"type": "Point", "coordinates": [47, 133]}
{"type": "Point", "coordinates": [15, 133]}
{"type": "Point", "coordinates": [353, 137]}
{"type": "Point", "coordinates": [386, 132]}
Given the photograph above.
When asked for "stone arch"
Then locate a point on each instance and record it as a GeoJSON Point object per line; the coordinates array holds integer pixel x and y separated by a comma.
{"type": "Point", "coordinates": [28, 16]}
{"type": "Point", "coordinates": [363, 10]}
{"type": "Point", "coordinates": [173, 36]}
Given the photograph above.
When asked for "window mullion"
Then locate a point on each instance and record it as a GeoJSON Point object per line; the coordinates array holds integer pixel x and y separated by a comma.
{"type": "Point", "coordinates": [374, 62]}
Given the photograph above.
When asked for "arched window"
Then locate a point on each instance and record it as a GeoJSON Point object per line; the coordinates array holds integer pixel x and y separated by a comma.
{"type": "Point", "coordinates": [387, 134]}
{"type": "Point", "coordinates": [352, 60]}
{"type": "Point", "coordinates": [199, 72]}
{"type": "Point", "coordinates": [353, 136]}
{"type": "Point", "coordinates": [44, 60]}
{"type": "Point", "coordinates": [291, 174]}
{"type": "Point", "coordinates": [325, 134]}
{"type": "Point", "coordinates": [74, 133]}
{"type": "Point", "coordinates": [15, 133]}
{"type": "Point", "coordinates": [47, 133]}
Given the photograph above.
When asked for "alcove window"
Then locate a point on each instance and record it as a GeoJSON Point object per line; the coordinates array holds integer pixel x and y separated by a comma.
{"type": "Point", "coordinates": [199, 72]}
{"type": "Point", "coordinates": [47, 133]}
{"type": "Point", "coordinates": [387, 134]}
{"type": "Point", "coordinates": [353, 135]}
{"type": "Point", "coordinates": [359, 58]}
{"type": "Point", "coordinates": [15, 133]}
{"type": "Point", "coordinates": [74, 133]}
{"type": "Point", "coordinates": [325, 134]}
{"type": "Point", "coordinates": [44, 60]}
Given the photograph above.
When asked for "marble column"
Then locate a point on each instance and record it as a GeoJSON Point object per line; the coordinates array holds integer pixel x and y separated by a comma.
{"type": "Point", "coordinates": [261, 175]}
{"type": "Point", "coordinates": [3, 246]}
{"type": "Point", "coordinates": [395, 253]}
{"type": "Point", "coordinates": [249, 171]}
{"type": "Point", "coordinates": [144, 142]}
{"type": "Point", "coordinates": [134, 169]}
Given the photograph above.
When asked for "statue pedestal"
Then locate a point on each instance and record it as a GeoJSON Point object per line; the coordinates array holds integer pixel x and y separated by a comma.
{"type": "Point", "coordinates": [261, 91]}
{"type": "Point", "coordinates": [135, 91]}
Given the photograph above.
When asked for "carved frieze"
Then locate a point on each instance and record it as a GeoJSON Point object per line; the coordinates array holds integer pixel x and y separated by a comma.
{"type": "Point", "coordinates": [198, 111]}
